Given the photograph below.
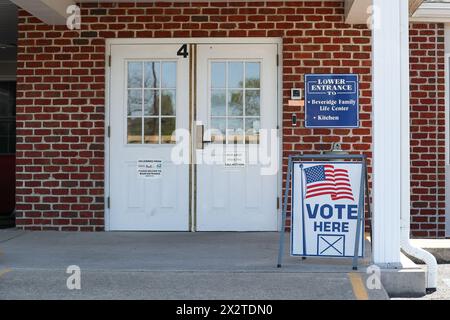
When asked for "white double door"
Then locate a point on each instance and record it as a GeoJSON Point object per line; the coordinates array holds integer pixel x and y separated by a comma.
{"type": "Point", "coordinates": [186, 123]}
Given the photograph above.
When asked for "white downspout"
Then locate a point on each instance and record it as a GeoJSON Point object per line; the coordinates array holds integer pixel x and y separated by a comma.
{"type": "Point", "coordinates": [419, 253]}
{"type": "Point", "coordinates": [405, 213]}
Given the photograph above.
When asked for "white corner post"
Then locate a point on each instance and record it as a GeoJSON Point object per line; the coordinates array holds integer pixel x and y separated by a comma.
{"type": "Point", "coordinates": [391, 145]}
{"type": "Point", "coordinates": [390, 137]}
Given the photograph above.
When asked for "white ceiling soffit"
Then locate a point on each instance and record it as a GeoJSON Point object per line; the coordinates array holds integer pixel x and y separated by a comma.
{"type": "Point", "coordinates": [433, 11]}
{"type": "Point", "coordinates": [52, 12]}
{"type": "Point", "coordinates": [358, 11]}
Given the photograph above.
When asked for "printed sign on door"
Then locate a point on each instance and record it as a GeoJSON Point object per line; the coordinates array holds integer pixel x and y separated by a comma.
{"type": "Point", "coordinates": [149, 169]}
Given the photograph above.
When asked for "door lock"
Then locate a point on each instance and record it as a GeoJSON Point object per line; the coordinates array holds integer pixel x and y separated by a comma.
{"type": "Point", "coordinates": [200, 141]}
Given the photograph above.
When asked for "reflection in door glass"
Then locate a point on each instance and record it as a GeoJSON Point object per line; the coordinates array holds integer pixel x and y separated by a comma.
{"type": "Point", "coordinates": [252, 126]}
{"type": "Point", "coordinates": [134, 74]}
{"type": "Point", "coordinates": [252, 103]}
{"type": "Point", "coordinates": [235, 74]}
{"type": "Point", "coordinates": [235, 104]}
{"type": "Point", "coordinates": [134, 103]}
{"type": "Point", "coordinates": [152, 74]}
{"type": "Point", "coordinates": [167, 130]}
{"type": "Point", "coordinates": [169, 75]}
{"type": "Point", "coordinates": [151, 102]}
{"type": "Point", "coordinates": [168, 102]}
{"type": "Point", "coordinates": [134, 130]}
{"type": "Point", "coordinates": [218, 103]}
{"type": "Point", "coordinates": [218, 75]}
{"type": "Point", "coordinates": [252, 76]}
{"type": "Point", "coordinates": [235, 131]}
{"type": "Point", "coordinates": [151, 130]}
{"type": "Point", "coordinates": [218, 126]}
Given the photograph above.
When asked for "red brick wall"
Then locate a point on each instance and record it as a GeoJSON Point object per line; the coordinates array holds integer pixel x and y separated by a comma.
{"type": "Point", "coordinates": [61, 85]}
{"type": "Point", "coordinates": [427, 130]}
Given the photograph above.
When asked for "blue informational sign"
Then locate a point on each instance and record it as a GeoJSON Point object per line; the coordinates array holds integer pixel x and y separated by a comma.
{"type": "Point", "coordinates": [332, 100]}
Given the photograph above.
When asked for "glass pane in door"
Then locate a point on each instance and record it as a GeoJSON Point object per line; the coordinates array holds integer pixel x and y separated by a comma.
{"type": "Point", "coordinates": [235, 101]}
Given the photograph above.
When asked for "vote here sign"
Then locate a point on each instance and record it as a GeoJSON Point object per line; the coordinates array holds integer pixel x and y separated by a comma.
{"type": "Point", "coordinates": [325, 205]}
{"type": "Point", "coordinates": [331, 100]}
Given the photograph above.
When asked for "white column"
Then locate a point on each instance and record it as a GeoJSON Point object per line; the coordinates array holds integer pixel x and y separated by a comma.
{"type": "Point", "coordinates": [391, 165]}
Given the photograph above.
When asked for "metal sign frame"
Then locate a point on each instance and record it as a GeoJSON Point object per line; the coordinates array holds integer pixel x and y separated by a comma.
{"type": "Point", "coordinates": [364, 191]}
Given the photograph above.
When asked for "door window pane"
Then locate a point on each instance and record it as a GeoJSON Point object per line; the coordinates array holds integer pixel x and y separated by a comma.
{"type": "Point", "coordinates": [134, 103]}
{"type": "Point", "coordinates": [235, 108]}
{"type": "Point", "coordinates": [218, 103]}
{"type": "Point", "coordinates": [218, 126]}
{"type": "Point", "coordinates": [252, 126]}
{"type": "Point", "coordinates": [151, 102]}
{"type": "Point", "coordinates": [252, 75]}
{"type": "Point", "coordinates": [236, 103]}
{"type": "Point", "coordinates": [169, 75]}
{"type": "Point", "coordinates": [235, 74]}
{"type": "Point", "coordinates": [134, 131]}
{"type": "Point", "coordinates": [218, 74]}
{"type": "Point", "coordinates": [167, 130]}
{"type": "Point", "coordinates": [152, 74]}
{"type": "Point", "coordinates": [252, 103]}
{"type": "Point", "coordinates": [151, 130]}
{"type": "Point", "coordinates": [235, 131]}
{"type": "Point", "coordinates": [168, 103]}
{"type": "Point", "coordinates": [134, 74]}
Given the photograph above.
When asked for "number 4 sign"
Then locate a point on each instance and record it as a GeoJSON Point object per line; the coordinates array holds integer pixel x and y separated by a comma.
{"type": "Point", "coordinates": [183, 51]}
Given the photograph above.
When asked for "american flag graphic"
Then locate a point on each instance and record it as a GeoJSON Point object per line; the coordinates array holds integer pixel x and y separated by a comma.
{"type": "Point", "coordinates": [327, 180]}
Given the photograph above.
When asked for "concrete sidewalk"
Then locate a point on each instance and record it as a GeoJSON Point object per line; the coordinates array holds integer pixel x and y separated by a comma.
{"type": "Point", "coordinates": [440, 248]}
{"type": "Point", "coordinates": [168, 266]}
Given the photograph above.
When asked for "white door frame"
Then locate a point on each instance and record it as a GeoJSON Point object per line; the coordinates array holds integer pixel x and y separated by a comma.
{"type": "Point", "coordinates": [180, 41]}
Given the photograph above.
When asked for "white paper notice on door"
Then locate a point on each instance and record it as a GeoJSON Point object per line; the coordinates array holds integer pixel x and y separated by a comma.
{"type": "Point", "coordinates": [235, 158]}
{"type": "Point", "coordinates": [149, 169]}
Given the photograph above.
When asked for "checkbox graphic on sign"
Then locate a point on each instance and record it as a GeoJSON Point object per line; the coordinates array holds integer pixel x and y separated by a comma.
{"type": "Point", "coordinates": [331, 245]}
